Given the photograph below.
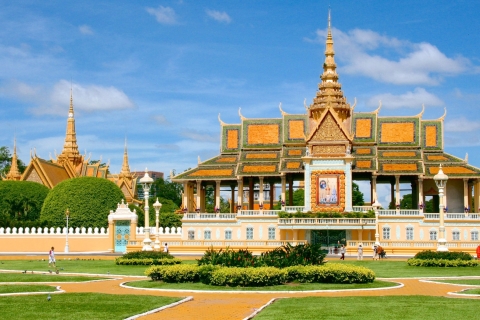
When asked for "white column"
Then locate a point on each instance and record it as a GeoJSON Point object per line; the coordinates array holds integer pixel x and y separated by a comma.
{"type": "Point", "coordinates": [442, 241]}
{"type": "Point", "coordinates": [284, 187]}
{"type": "Point", "coordinates": [420, 192]}
{"type": "Point", "coordinates": [199, 195]}
{"type": "Point", "coordinates": [465, 193]}
{"type": "Point", "coordinates": [374, 189]}
{"type": "Point", "coordinates": [261, 197]}
{"type": "Point", "coordinates": [397, 190]}
{"type": "Point", "coordinates": [217, 194]}
{"type": "Point", "coordinates": [240, 193]}
{"type": "Point", "coordinates": [476, 192]}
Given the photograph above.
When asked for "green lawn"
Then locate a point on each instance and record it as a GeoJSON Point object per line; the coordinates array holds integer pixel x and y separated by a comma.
{"type": "Point", "coordinates": [76, 266]}
{"type": "Point", "coordinates": [21, 277]}
{"type": "Point", "coordinates": [473, 282]}
{"type": "Point", "coordinates": [399, 269]}
{"type": "Point", "coordinates": [383, 307]}
{"type": "Point", "coordinates": [287, 287]}
{"type": "Point", "coordinates": [80, 306]}
{"type": "Point", "coordinates": [15, 288]}
{"type": "Point", "coordinates": [470, 291]}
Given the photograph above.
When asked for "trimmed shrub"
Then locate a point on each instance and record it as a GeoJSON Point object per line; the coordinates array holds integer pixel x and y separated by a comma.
{"type": "Point", "coordinates": [175, 274]}
{"type": "Point", "coordinates": [88, 199]}
{"type": "Point", "coordinates": [229, 258]}
{"type": "Point", "coordinates": [445, 255]}
{"type": "Point", "coordinates": [248, 277]}
{"type": "Point", "coordinates": [147, 255]}
{"type": "Point", "coordinates": [147, 262]}
{"type": "Point", "coordinates": [442, 263]}
{"type": "Point", "coordinates": [21, 202]}
{"type": "Point", "coordinates": [330, 273]}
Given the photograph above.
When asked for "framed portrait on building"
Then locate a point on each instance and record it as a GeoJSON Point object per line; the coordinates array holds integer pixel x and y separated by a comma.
{"type": "Point", "coordinates": [327, 190]}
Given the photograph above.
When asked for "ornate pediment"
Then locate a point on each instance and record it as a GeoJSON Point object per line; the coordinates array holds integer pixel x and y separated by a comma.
{"type": "Point", "coordinates": [329, 128]}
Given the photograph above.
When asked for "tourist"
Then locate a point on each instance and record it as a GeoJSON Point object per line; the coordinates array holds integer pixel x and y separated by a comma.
{"type": "Point", "coordinates": [51, 257]}
{"type": "Point", "coordinates": [375, 254]}
{"type": "Point", "coordinates": [478, 252]}
{"type": "Point", "coordinates": [165, 248]}
{"type": "Point", "coordinates": [360, 252]}
{"type": "Point", "coordinates": [342, 251]}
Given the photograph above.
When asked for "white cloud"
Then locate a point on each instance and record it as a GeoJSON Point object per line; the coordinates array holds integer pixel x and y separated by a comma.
{"type": "Point", "coordinates": [461, 124]}
{"type": "Point", "coordinates": [410, 99]}
{"type": "Point", "coordinates": [164, 15]}
{"type": "Point", "coordinates": [219, 16]}
{"type": "Point", "coordinates": [84, 29]}
{"type": "Point", "coordinates": [385, 59]}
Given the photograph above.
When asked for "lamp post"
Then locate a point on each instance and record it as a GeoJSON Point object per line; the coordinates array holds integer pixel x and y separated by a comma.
{"type": "Point", "coordinates": [146, 182]}
{"type": "Point", "coordinates": [375, 206]}
{"type": "Point", "coordinates": [157, 205]}
{"type": "Point", "coordinates": [441, 181]}
{"type": "Point", "coordinates": [67, 215]}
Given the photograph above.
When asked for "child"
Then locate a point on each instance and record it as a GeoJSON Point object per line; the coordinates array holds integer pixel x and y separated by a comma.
{"type": "Point", "coordinates": [51, 257]}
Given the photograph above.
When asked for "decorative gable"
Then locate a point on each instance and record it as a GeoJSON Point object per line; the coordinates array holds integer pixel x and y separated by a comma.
{"type": "Point", "coordinates": [329, 129]}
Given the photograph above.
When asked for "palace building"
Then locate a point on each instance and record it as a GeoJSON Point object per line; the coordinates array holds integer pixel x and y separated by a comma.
{"type": "Point", "coordinates": [325, 147]}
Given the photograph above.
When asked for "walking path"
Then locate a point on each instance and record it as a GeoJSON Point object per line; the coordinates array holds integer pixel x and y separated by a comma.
{"type": "Point", "coordinates": [235, 305]}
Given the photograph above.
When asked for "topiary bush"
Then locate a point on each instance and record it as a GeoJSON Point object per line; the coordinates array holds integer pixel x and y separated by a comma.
{"type": "Point", "coordinates": [147, 255]}
{"type": "Point", "coordinates": [442, 263]}
{"type": "Point", "coordinates": [445, 255]}
{"type": "Point", "coordinates": [175, 274]}
{"type": "Point", "coordinates": [248, 277]}
{"type": "Point", "coordinates": [147, 262]}
{"type": "Point", "coordinates": [21, 203]}
{"type": "Point", "coordinates": [288, 255]}
{"type": "Point", "coordinates": [88, 199]}
{"type": "Point", "coordinates": [330, 273]}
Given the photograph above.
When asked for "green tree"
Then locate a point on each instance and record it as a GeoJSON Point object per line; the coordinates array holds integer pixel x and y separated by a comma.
{"type": "Point", "coordinates": [88, 199]}
{"type": "Point", "coordinates": [298, 199]}
{"type": "Point", "coordinates": [167, 216]}
{"type": "Point", "coordinates": [406, 202]}
{"type": "Point", "coordinates": [169, 190]}
{"type": "Point", "coordinates": [357, 195]}
{"type": "Point", "coordinates": [20, 201]}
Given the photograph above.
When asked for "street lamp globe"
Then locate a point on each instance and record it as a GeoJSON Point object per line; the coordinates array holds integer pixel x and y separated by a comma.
{"type": "Point", "coordinates": [441, 181]}
{"type": "Point", "coordinates": [157, 206]}
{"type": "Point", "coordinates": [146, 182]}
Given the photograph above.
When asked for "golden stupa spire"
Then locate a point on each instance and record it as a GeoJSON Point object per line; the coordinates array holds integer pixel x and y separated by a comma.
{"type": "Point", "coordinates": [125, 166]}
{"type": "Point", "coordinates": [14, 174]}
{"type": "Point", "coordinates": [70, 148]}
{"type": "Point", "coordinates": [329, 92]}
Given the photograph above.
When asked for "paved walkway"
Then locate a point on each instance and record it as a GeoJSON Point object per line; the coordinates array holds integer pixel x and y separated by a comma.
{"type": "Point", "coordinates": [236, 305]}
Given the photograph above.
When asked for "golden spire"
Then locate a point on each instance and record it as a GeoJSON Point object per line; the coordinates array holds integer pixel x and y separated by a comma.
{"type": "Point", "coordinates": [330, 90]}
{"type": "Point", "coordinates": [14, 174]}
{"type": "Point", "coordinates": [70, 147]}
{"type": "Point", "coordinates": [125, 167]}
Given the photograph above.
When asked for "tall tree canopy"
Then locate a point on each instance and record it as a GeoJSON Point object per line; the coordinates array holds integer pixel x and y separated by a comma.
{"type": "Point", "coordinates": [169, 190]}
{"type": "Point", "coordinates": [357, 195]}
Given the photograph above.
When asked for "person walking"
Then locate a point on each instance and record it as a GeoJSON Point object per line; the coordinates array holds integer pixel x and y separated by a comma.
{"type": "Point", "coordinates": [51, 257]}
{"type": "Point", "coordinates": [360, 252]}
{"type": "Point", "coordinates": [375, 253]}
{"type": "Point", "coordinates": [342, 251]}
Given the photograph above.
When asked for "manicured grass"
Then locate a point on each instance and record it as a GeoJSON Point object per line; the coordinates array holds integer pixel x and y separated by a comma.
{"type": "Point", "coordinates": [470, 291]}
{"type": "Point", "coordinates": [473, 282]}
{"type": "Point", "coordinates": [399, 269]}
{"type": "Point", "coordinates": [383, 307]}
{"type": "Point", "coordinates": [16, 288]}
{"type": "Point", "coordinates": [21, 277]}
{"type": "Point", "coordinates": [286, 287]}
{"type": "Point", "coordinates": [76, 266]}
{"type": "Point", "coordinates": [80, 306]}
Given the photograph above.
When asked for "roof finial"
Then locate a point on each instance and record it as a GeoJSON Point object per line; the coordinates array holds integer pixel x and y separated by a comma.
{"type": "Point", "coordinates": [70, 111]}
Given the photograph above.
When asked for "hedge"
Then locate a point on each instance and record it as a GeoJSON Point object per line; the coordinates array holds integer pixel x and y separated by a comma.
{"type": "Point", "coordinates": [442, 263]}
{"type": "Point", "coordinates": [147, 262]}
{"type": "Point", "coordinates": [262, 276]}
{"type": "Point", "coordinates": [88, 199]}
{"type": "Point", "coordinates": [147, 255]}
{"type": "Point", "coordinates": [21, 201]}
{"type": "Point", "coordinates": [445, 255]}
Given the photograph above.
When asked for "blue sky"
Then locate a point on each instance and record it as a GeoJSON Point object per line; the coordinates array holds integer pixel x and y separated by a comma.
{"type": "Point", "coordinates": [160, 72]}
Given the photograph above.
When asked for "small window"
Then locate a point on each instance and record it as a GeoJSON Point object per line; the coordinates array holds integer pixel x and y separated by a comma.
{"type": "Point", "coordinates": [191, 235]}
{"type": "Point", "coordinates": [228, 234]}
{"type": "Point", "coordinates": [386, 233]}
{"type": "Point", "coordinates": [207, 235]}
{"type": "Point", "coordinates": [474, 235]}
{"type": "Point", "coordinates": [249, 233]}
{"type": "Point", "coordinates": [433, 235]}
{"type": "Point", "coordinates": [456, 235]}
{"type": "Point", "coordinates": [271, 233]}
{"type": "Point", "coordinates": [409, 233]}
